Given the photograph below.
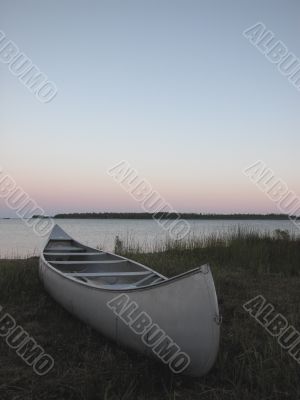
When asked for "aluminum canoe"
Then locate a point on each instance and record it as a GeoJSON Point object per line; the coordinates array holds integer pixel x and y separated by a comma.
{"type": "Point", "coordinates": [173, 319]}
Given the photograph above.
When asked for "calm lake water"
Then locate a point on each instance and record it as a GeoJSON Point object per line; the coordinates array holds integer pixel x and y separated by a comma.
{"type": "Point", "coordinates": [18, 240]}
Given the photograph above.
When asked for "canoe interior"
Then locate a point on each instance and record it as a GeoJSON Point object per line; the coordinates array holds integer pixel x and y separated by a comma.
{"type": "Point", "coordinates": [97, 268]}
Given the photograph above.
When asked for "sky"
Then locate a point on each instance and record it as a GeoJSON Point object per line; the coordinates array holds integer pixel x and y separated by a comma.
{"type": "Point", "coordinates": [171, 86]}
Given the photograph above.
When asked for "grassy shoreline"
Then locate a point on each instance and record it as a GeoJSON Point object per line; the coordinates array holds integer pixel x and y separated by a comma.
{"type": "Point", "coordinates": [250, 365]}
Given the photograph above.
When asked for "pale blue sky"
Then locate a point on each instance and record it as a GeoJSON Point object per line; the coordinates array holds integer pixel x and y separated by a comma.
{"type": "Point", "coordinates": [171, 86]}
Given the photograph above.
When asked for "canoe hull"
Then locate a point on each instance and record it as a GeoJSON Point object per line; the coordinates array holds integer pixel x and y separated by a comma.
{"type": "Point", "coordinates": [184, 308]}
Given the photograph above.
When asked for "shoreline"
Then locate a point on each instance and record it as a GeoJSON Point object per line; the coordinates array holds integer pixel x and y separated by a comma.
{"type": "Point", "coordinates": [171, 216]}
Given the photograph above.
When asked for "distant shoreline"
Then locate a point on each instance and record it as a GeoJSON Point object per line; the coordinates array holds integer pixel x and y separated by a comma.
{"type": "Point", "coordinates": [187, 216]}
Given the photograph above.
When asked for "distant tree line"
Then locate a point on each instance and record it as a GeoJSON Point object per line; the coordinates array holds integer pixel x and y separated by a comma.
{"type": "Point", "coordinates": [119, 215]}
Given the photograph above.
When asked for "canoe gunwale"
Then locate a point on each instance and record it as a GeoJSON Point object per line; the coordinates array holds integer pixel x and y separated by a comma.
{"type": "Point", "coordinates": [82, 246]}
{"type": "Point", "coordinates": [166, 281]}
{"type": "Point", "coordinates": [62, 235]}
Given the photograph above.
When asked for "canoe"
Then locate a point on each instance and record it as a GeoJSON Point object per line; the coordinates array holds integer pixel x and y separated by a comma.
{"type": "Point", "coordinates": [175, 320]}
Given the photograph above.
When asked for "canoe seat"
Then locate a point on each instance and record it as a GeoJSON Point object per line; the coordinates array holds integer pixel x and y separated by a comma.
{"type": "Point", "coordinates": [81, 253]}
{"type": "Point", "coordinates": [159, 279]}
{"type": "Point", "coordinates": [88, 262]}
{"type": "Point", "coordinates": [65, 249]}
{"type": "Point", "coordinates": [147, 280]}
{"type": "Point", "coordinates": [106, 274]}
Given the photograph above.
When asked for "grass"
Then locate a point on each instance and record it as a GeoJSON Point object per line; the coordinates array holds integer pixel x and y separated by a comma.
{"type": "Point", "coordinates": [251, 365]}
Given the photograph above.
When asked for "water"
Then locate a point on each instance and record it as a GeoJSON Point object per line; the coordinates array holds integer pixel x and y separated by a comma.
{"type": "Point", "coordinates": [18, 240]}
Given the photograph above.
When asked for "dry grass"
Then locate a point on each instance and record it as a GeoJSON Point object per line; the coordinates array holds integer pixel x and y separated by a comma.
{"type": "Point", "coordinates": [250, 366]}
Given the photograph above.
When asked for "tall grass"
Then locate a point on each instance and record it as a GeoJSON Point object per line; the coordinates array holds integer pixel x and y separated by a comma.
{"type": "Point", "coordinates": [239, 249]}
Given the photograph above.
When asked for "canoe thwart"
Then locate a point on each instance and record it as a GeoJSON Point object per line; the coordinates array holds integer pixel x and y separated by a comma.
{"type": "Point", "coordinates": [65, 248]}
{"type": "Point", "coordinates": [88, 262]}
{"type": "Point", "coordinates": [106, 274]}
{"type": "Point", "coordinates": [81, 253]}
